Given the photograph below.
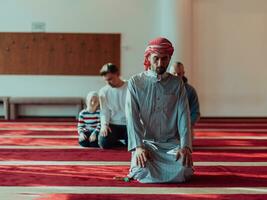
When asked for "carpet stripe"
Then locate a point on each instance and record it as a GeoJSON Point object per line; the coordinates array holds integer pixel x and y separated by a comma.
{"type": "Point", "coordinates": [133, 190]}
{"type": "Point", "coordinates": [40, 136]}
{"type": "Point", "coordinates": [40, 129]}
{"type": "Point", "coordinates": [231, 137]}
{"type": "Point", "coordinates": [234, 147]}
{"type": "Point", "coordinates": [197, 137]}
{"type": "Point", "coordinates": [41, 147]}
{"type": "Point", "coordinates": [237, 130]}
{"type": "Point", "coordinates": [79, 147]}
{"type": "Point", "coordinates": [74, 141]}
{"type": "Point", "coordinates": [118, 163]}
{"type": "Point", "coordinates": [205, 176]}
{"type": "Point", "coordinates": [227, 134]}
{"type": "Point", "coordinates": [75, 129]}
{"type": "Point", "coordinates": [96, 154]}
{"type": "Point", "coordinates": [82, 154]}
{"type": "Point", "coordinates": [38, 123]}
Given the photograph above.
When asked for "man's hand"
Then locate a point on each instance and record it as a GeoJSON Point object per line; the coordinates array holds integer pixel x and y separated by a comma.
{"type": "Point", "coordinates": [82, 137]}
{"type": "Point", "coordinates": [186, 156]}
{"type": "Point", "coordinates": [92, 138]}
{"type": "Point", "coordinates": [104, 131]}
{"type": "Point", "coordinates": [142, 155]}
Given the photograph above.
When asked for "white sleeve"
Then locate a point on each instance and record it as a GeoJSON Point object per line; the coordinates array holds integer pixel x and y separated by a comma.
{"type": "Point", "coordinates": [104, 110]}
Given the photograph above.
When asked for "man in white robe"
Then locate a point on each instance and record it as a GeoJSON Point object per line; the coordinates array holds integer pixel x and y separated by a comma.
{"type": "Point", "coordinates": [112, 108]}
{"type": "Point", "coordinates": [158, 120]}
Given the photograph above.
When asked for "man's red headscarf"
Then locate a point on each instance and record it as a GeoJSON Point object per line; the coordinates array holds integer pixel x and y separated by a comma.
{"type": "Point", "coordinates": [158, 45]}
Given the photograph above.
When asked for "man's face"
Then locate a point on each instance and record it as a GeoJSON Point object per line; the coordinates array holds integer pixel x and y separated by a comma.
{"type": "Point", "coordinates": [111, 79]}
{"type": "Point", "coordinates": [159, 62]}
{"type": "Point", "coordinates": [178, 70]}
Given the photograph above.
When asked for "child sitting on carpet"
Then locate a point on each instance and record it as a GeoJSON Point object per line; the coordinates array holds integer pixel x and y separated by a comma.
{"type": "Point", "coordinates": [89, 121]}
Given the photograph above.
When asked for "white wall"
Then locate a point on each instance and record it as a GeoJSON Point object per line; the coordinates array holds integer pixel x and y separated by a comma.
{"type": "Point", "coordinates": [229, 56]}
{"type": "Point", "coordinates": [176, 24]}
{"type": "Point", "coordinates": [228, 40]}
{"type": "Point", "coordinates": [134, 19]}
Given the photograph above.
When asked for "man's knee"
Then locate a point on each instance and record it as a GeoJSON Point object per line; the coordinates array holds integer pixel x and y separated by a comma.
{"type": "Point", "coordinates": [83, 143]}
{"type": "Point", "coordinates": [104, 143]}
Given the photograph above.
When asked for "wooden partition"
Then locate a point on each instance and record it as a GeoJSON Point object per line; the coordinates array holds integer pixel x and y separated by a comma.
{"type": "Point", "coordinates": [57, 53]}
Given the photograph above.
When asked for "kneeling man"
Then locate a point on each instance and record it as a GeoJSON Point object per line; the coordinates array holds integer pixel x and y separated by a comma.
{"type": "Point", "coordinates": [158, 120]}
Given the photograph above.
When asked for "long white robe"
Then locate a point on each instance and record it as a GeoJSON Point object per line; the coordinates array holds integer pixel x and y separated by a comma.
{"type": "Point", "coordinates": [158, 118]}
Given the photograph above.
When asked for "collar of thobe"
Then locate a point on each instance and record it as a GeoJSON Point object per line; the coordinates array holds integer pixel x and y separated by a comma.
{"type": "Point", "coordinates": [155, 77]}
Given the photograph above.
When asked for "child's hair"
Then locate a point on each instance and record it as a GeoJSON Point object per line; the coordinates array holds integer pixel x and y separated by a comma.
{"type": "Point", "coordinates": [90, 95]}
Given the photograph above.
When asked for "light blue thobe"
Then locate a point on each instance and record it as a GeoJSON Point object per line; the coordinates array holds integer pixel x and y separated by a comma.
{"type": "Point", "coordinates": [158, 119]}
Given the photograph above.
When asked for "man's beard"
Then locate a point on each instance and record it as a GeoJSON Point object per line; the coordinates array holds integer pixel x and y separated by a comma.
{"type": "Point", "coordinates": [160, 70]}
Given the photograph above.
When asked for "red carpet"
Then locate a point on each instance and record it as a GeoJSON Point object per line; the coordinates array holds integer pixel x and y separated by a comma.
{"type": "Point", "coordinates": [83, 154]}
{"type": "Point", "coordinates": [226, 126]}
{"type": "Point", "coordinates": [227, 134]}
{"type": "Point", "coordinates": [122, 155]}
{"type": "Point", "coordinates": [74, 142]}
{"type": "Point", "coordinates": [234, 120]}
{"type": "Point", "coordinates": [38, 132]}
{"type": "Point", "coordinates": [215, 176]}
{"type": "Point", "coordinates": [37, 125]}
{"type": "Point", "coordinates": [39, 141]}
{"type": "Point", "coordinates": [150, 196]}
{"type": "Point", "coordinates": [78, 175]}
{"type": "Point", "coordinates": [229, 142]}
{"type": "Point", "coordinates": [74, 133]}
